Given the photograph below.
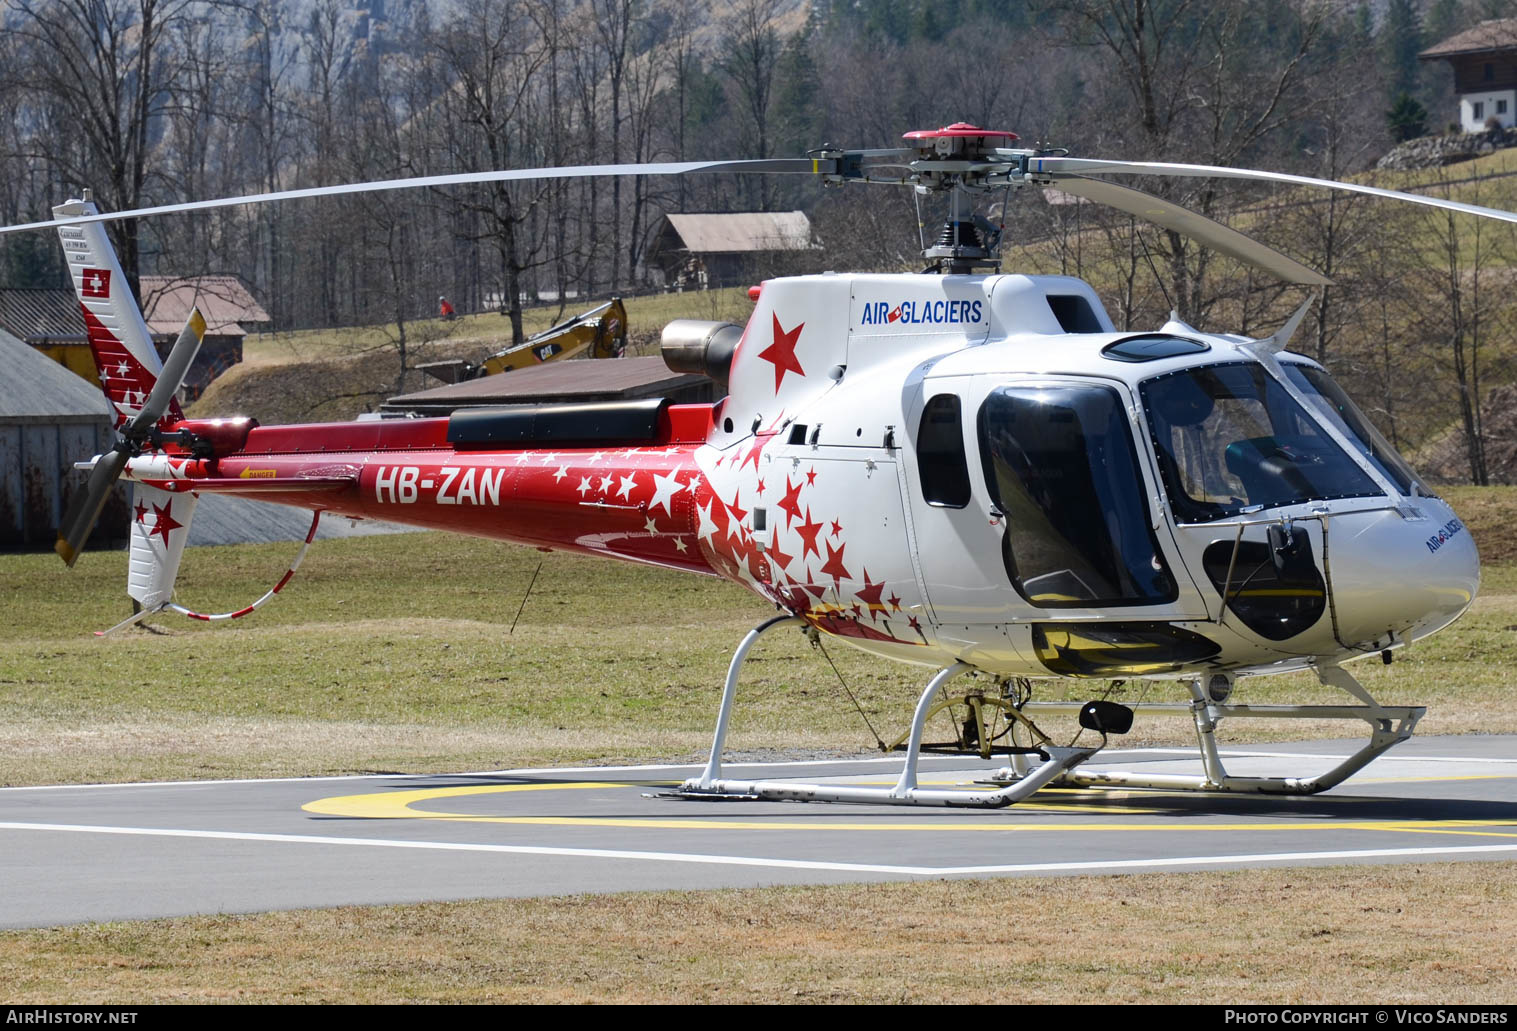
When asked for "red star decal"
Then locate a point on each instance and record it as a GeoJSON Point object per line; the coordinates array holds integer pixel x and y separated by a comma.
{"type": "Point", "coordinates": [870, 595]}
{"type": "Point", "coordinates": [165, 522]}
{"type": "Point", "coordinates": [895, 603]}
{"type": "Point", "coordinates": [834, 566]}
{"type": "Point", "coordinates": [837, 528]}
{"type": "Point", "coordinates": [858, 613]}
{"type": "Point", "coordinates": [915, 625]}
{"type": "Point", "coordinates": [761, 488]}
{"type": "Point", "coordinates": [795, 599]}
{"type": "Point", "coordinates": [811, 477]}
{"type": "Point", "coordinates": [753, 453]}
{"type": "Point", "coordinates": [778, 560]}
{"type": "Point", "coordinates": [791, 503]}
{"type": "Point", "coordinates": [760, 439]}
{"type": "Point", "coordinates": [737, 513]}
{"type": "Point", "coordinates": [809, 532]}
{"type": "Point", "coordinates": [141, 511]}
{"type": "Point", "coordinates": [781, 353]}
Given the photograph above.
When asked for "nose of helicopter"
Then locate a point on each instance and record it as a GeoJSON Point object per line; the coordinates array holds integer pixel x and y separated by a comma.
{"type": "Point", "coordinates": [1413, 575]}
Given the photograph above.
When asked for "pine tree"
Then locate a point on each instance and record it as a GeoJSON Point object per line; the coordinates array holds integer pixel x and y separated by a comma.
{"type": "Point", "coordinates": [1407, 118]}
{"type": "Point", "coordinates": [1400, 39]}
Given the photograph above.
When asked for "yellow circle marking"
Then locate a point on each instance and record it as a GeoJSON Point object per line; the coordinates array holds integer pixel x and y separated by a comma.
{"type": "Point", "coordinates": [397, 805]}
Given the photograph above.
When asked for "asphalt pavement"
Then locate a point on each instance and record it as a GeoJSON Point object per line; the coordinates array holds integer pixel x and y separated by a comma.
{"type": "Point", "coordinates": [70, 854]}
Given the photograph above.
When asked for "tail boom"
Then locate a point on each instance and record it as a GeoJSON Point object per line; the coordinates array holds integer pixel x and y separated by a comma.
{"type": "Point", "coordinates": [642, 503]}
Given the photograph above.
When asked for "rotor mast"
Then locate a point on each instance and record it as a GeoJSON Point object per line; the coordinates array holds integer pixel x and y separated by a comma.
{"type": "Point", "coordinates": [953, 159]}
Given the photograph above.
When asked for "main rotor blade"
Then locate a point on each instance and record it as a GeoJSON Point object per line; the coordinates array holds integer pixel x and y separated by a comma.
{"type": "Point", "coordinates": [169, 378]}
{"type": "Point", "coordinates": [1198, 227]}
{"type": "Point", "coordinates": [84, 511]}
{"type": "Point", "coordinates": [1059, 167]}
{"type": "Point", "coordinates": [807, 166]}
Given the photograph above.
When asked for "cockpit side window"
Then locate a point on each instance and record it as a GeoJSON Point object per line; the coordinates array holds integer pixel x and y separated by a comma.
{"type": "Point", "coordinates": [1230, 437]}
{"type": "Point", "coordinates": [940, 453]}
{"type": "Point", "coordinates": [1060, 465]}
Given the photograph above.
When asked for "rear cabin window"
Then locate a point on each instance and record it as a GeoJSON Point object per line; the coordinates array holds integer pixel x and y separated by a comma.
{"type": "Point", "coordinates": [940, 454]}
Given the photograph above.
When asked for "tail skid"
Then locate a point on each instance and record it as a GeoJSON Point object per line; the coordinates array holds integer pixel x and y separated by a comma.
{"type": "Point", "coordinates": [155, 566]}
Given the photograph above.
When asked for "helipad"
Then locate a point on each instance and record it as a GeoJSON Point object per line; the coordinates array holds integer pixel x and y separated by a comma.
{"type": "Point", "coordinates": [108, 852]}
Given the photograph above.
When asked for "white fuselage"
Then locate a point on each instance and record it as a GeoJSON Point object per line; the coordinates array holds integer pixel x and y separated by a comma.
{"type": "Point", "coordinates": [959, 468]}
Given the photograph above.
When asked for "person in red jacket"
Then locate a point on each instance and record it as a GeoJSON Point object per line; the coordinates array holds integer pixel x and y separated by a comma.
{"type": "Point", "coordinates": [445, 310]}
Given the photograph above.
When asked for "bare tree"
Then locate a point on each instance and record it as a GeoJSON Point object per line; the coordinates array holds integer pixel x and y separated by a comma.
{"type": "Point", "coordinates": [493, 54]}
{"type": "Point", "coordinates": [751, 49]}
{"type": "Point", "coordinates": [108, 67]}
{"type": "Point", "coordinates": [1206, 81]}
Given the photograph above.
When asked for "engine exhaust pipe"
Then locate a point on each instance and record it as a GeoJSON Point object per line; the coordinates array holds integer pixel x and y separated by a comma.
{"type": "Point", "coordinates": [700, 347]}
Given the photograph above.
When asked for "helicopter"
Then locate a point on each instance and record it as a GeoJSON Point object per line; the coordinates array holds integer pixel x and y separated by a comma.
{"type": "Point", "coordinates": [966, 470]}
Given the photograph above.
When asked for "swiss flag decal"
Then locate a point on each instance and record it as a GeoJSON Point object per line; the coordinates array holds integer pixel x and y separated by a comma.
{"type": "Point", "coordinates": [97, 282]}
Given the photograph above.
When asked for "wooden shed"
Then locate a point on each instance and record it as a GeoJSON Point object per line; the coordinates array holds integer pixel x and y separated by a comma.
{"type": "Point", "coordinates": [697, 251]}
{"type": "Point", "coordinates": [49, 320]}
{"type": "Point", "coordinates": [229, 310]}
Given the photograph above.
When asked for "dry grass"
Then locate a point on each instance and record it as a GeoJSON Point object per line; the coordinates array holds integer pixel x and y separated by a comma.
{"type": "Point", "coordinates": [1429, 933]}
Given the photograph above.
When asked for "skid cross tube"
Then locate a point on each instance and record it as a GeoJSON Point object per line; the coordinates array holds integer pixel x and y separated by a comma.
{"type": "Point", "coordinates": [905, 792]}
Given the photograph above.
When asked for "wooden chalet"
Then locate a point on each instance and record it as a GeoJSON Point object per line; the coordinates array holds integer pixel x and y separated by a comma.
{"type": "Point", "coordinates": [1484, 59]}
{"type": "Point", "coordinates": [49, 320]}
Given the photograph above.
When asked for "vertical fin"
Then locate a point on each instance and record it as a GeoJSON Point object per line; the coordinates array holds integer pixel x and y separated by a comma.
{"type": "Point", "coordinates": [124, 354]}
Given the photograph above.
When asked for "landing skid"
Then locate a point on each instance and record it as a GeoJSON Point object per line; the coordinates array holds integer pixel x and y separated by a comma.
{"type": "Point", "coordinates": [1054, 763]}
{"type": "Point", "coordinates": [1056, 766]}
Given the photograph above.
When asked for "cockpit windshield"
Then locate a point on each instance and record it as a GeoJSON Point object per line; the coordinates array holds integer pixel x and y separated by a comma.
{"type": "Point", "coordinates": [1230, 437]}
{"type": "Point", "coordinates": [1332, 403]}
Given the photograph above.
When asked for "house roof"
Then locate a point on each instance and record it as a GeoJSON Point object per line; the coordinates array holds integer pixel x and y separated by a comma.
{"type": "Point", "coordinates": [41, 315]}
{"type": "Point", "coordinates": [1488, 36]}
{"type": "Point", "coordinates": [573, 380]}
{"type": "Point", "coordinates": [223, 300]}
{"type": "Point", "coordinates": [48, 315]}
{"type": "Point", "coordinates": [37, 389]}
{"type": "Point", "coordinates": [740, 232]}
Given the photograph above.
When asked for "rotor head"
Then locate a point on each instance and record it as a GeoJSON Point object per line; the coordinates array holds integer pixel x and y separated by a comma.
{"type": "Point", "coordinates": [959, 141]}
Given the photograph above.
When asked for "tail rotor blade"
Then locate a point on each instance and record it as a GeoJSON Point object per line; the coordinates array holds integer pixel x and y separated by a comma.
{"type": "Point", "coordinates": [174, 370]}
{"type": "Point", "coordinates": [84, 511]}
{"type": "Point", "coordinates": [86, 507]}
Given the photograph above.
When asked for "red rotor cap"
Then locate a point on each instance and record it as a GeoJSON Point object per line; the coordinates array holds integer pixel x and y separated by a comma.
{"type": "Point", "coordinates": [957, 129]}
